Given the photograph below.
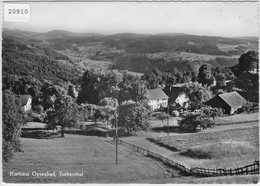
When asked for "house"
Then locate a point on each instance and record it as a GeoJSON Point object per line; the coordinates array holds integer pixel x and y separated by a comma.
{"type": "Point", "coordinates": [230, 102]}
{"type": "Point", "coordinates": [26, 102]}
{"type": "Point", "coordinates": [176, 95]}
{"type": "Point", "coordinates": [157, 99]}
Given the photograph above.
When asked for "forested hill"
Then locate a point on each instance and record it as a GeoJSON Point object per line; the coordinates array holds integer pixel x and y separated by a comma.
{"type": "Point", "coordinates": [54, 55]}
{"type": "Point", "coordinates": [22, 59]}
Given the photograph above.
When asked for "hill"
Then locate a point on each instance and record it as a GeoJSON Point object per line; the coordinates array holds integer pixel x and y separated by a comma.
{"type": "Point", "coordinates": [43, 63]}
{"type": "Point", "coordinates": [138, 52]}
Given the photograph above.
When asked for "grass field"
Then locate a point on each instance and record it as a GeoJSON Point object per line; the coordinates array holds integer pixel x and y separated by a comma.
{"type": "Point", "coordinates": [168, 56]}
{"type": "Point", "coordinates": [243, 117]}
{"type": "Point", "coordinates": [245, 179]}
{"type": "Point", "coordinates": [93, 156]}
{"type": "Point", "coordinates": [229, 148]}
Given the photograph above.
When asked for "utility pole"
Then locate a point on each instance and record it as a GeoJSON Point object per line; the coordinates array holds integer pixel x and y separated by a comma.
{"type": "Point", "coordinates": [168, 118]}
{"type": "Point", "coordinates": [116, 141]}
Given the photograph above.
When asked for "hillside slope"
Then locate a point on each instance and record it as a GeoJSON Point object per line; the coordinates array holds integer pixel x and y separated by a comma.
{"type": "Point", "coordinates": [42, 63]}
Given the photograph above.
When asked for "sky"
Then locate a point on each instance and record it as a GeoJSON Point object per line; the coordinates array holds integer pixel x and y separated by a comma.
{"type": "Point", "coordinates": [228, 19]}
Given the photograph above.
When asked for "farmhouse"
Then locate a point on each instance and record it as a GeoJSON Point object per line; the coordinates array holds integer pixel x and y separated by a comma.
{"type": "Point", "coordinates": [230, 102]}
{"type": "Point", "coordinates": [157, 99]}
{"type": "Point", "coordinates": [26, 102]}
{"type": "Point", "coordinates": [176, 96]}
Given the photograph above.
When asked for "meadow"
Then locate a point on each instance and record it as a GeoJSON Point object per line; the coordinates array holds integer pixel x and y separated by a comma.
{"type": "Point", "coordinates": [230, 148]}
{"type": "Point", "coordinates": [93, 156]}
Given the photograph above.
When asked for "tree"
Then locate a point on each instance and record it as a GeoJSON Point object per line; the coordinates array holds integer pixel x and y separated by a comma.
{"type": "Point", "coordinates": [220, 80]}
{"type": "Point", "coordinates": [192, 121]}
{"type": "Point", "coordinates": [109, 107]}
{"type": "Point", "coordinates": [153, 80]}
{"type": "Point", "coordinates": [87, 111]}
{"type": "Point", "coordinates": [72, 91]}
{"type": "Point", "coordinates": [132, 88]}
{"type": "Point", "coordinates": [197, 94]}
{"type": "Point", "coordinates": [50, 94]}
{"type": "Point", "coordinates": [89, 92]}
{"type": "Point", "coordinates": [248, 61]}
{"type": "Point", "coordinates": [205, 77]}
{"type": "Point", "coordinates": [163, 116]}
{"type": "Point", "coordinates": [108, 84]}
{"type": "Point", "coordinates": [132, 117]}
{"type": "Point", "coordinates": [65, 114]}
{"type": "Point", "coordinates": [12, 120]}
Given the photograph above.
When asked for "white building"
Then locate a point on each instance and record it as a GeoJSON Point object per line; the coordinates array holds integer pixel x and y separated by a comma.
{"type": "Point", "coordinates": [176, 95]}
{"type": "Point", "coordinates": [26, 102]}
{"type": "Point", "coordinates": [157, 99]}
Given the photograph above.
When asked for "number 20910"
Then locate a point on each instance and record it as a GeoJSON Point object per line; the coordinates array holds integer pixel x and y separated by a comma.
{"type": "Point", "coordinates": [18, 11]}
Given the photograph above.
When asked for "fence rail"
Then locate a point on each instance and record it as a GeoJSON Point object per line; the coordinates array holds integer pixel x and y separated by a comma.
{"type": "Point", "coordinates": [197, 171]}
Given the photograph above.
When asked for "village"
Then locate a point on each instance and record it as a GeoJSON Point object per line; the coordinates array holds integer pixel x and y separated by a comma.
{"type": "Point", "coordinates": [148, 93]}
{"type": "Point", "coordinates": [188, 109]}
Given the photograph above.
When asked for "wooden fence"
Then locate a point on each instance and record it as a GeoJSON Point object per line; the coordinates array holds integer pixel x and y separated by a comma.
{"type": "Point", "coordinates": [248, 169]}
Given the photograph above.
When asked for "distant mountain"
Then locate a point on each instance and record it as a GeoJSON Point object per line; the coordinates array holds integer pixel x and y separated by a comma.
{"type": "Point", "coordinates": [171, 34]}
{"type": "Point", "coordinates": [251, 38]}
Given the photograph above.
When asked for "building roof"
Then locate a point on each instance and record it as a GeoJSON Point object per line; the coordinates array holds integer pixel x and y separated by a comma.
{"type": "Point", "coordinates": [233, 99]}
{"type": "Point", "coordinates": [24, 99]}
{"type": "Point", "coordinates": [155, 94]}
{"type": "Point", "coordinates": [173, 91]}
{"type": "Point", "coordinates": [34, 125]}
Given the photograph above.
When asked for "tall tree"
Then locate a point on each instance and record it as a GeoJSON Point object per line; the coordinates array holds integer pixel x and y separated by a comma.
{"type": "Point", "coordinates": [205, 77]}
{"type": "Point", "coordinates": [248, 61]}
{"type": "Point", "coordinates": [89, 92]}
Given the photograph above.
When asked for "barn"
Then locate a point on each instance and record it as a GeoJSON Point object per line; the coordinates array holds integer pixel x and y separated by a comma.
{"type": "Point", "coordinates": [230, 102]}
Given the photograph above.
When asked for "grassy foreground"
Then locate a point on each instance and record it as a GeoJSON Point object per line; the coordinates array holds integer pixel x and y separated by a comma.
{"type": "Point", "coordinates": [93, 157]}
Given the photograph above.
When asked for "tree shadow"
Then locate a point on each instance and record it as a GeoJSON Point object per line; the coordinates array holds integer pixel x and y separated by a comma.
{"type": "Point", "coordinates": [171, 129]}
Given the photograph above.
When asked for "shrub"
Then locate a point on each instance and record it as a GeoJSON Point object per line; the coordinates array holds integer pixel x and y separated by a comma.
{"type": "Point", "coordinates": [162, 116]}
{"type": "Point", "coordinates": [175, 113]}
{"type": "Point", "coordinates": [13, 119]}
{"type": "Point", "coordinates": [220, 150]}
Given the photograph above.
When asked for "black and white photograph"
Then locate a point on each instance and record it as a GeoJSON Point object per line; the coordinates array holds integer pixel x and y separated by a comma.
{"type": "Point", "coordinates": [130, 92]}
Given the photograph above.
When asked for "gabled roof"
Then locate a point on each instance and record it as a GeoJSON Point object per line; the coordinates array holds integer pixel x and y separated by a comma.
{"type": "Point", "coordinates": [24, 99]}
{"type": "Point", "coordinates": [173, 91]}
{"type": "Point", "coordinates": [233, 99]}
{"type": "Point", "coordinates": [155, 94]}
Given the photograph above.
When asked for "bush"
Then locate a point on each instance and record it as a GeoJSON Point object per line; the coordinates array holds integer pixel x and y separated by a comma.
{"type": "Point", "coordinates": [175, 113]}
{"type": "Point", "coordinates": [13, 119]}
{"type": "Point", "coordinates": [247, 107]}
{"type": "Point", "coordinates": [220, 150]}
